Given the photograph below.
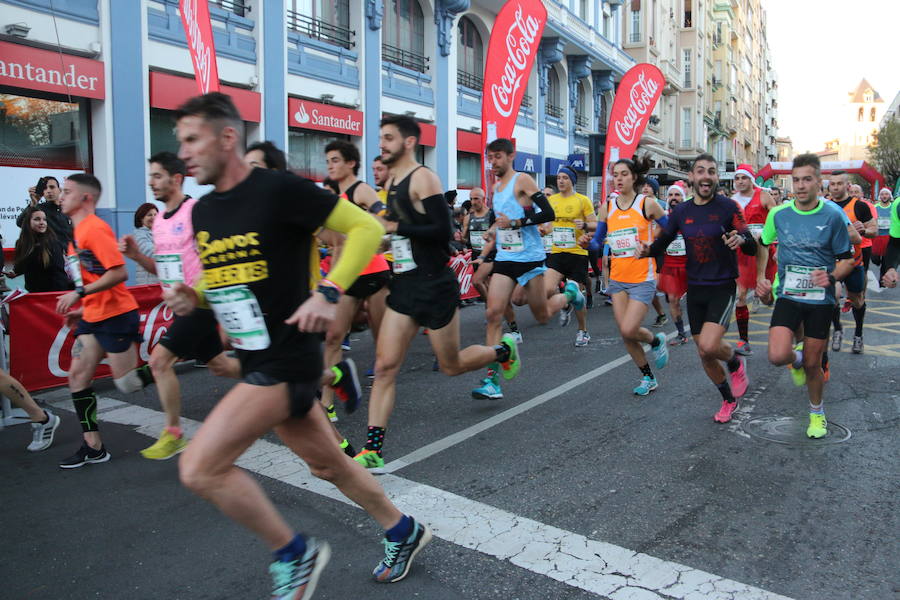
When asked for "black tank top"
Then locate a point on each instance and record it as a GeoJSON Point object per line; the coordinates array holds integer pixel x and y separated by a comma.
{"type": "Point", "coordinates": [430, 256]}
{"type": "Point", "coordinates": [350, 190]}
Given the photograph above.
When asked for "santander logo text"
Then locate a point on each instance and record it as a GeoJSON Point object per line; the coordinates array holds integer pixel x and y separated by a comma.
{"type": "Point", "coordinates": [641, 101]}
{"type": "Point", "coordinates": [520, 44]}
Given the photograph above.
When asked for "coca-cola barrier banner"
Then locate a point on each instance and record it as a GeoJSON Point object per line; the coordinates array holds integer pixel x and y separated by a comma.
{"type": "Point", "coordinates": [40, 344]}
{"type": "Point", "coordinates": [462, 267]}
{"type": "Point", "coordinates": [199, 34]}
{"type": "Point", "coordinates": [514, 44]}
{"type": "Point", "coordinates": [636, 97]}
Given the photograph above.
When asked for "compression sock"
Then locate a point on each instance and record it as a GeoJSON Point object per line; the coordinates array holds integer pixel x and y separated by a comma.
{"type": "Point", "coordinates": [85, 403]}
{"type": "Point", "coordinates": [375, 439]}
{"type": "Point", "coordinates": [679, 325]}
{"type": "Point", "coordinates": [742, 316]}
{"type": "Point", "coordinates": [859, 314]}
{"type": "Point", "coordinates": [733, 363]}
{"type": "Point", "coordinates": [725, 390]}
{"type": "Point", "coordinates": [836, 319]}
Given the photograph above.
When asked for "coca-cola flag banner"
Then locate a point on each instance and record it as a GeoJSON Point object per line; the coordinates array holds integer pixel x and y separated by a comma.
{"type": "Point", "coordinates": [40, 344]}
{"type": "Point", "coordinates": [636, 96]}
{"type": "Point", "coordinates": [199, 34]}
{"type": "Point", "coordinates": [514, 44]}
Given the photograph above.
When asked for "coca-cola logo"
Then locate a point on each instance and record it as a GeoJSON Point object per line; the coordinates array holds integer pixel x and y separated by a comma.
{"type": "Point", "coordinates": [641, 99]}
{"type": "Point", "coordinates": [462, 269]}
{"type": "Point", "coordinates": [200, 51]}
{"type": "Point", "coordinates": [520, 40]}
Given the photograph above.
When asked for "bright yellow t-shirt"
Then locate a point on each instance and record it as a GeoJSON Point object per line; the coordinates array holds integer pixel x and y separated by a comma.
{"type": "Point", "coordinates": [567, 209]}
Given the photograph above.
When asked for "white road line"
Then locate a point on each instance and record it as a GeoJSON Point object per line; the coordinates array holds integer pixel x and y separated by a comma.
{"type": "Point", "coordinates": [605, 569]}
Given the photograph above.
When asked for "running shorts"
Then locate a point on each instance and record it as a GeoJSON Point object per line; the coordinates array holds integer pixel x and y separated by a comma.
{"type": "Point", "coordinates": [429, 300]}
{"type": "Point", "coordinates": [301, 394]}
{"type": "Point", "coordinates": [368, 285]}
{"type": "Point", "coordinates": [673, 280]}
{"type": "Point", "coordinates": [115, 334]}
{"type": "Point", "coordinates": [572, 266]}
{"type": "Point", "coordinates": [194, 336]}
{"type": "Point", "coordinates": [645, 291]}
{"type": "Point", "coordinates": [710, 304]}
{"type": "Point", "coordinates": [856, 280]}
{"type": "Point", "coordinates": [520, 272]}
{"type": "Point", "coordinates": [815, 318]}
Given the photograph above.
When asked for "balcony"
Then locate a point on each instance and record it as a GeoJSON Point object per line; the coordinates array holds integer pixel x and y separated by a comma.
{"type": "Point", "coordinates": [582, 121]}
{"type": "Point", "coordinates": [238, 7]}
{"type": "Point", "coordinates": [554, 111]}
{"type": "Point", "coordinates": [404, 58]}
{"type": "Point", "coordinates": [470, 80]}
{"type": "Point", "coordinates": [232, 31]}
{"type": "Point", "coordinates": [527, 102]}
{"type": "Point", "coordinates": [634, 37]}
{"type": "Point", "coordinates": [318, 29]}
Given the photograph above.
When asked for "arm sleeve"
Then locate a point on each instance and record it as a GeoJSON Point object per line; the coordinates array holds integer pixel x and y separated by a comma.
{"type": "Point", "coordinates": [439, 227]}
{"type": "Point", "coordinates": [599, 236]}
{"type": "Point", "coordinates": [863, 211]}
{"type": "Point", "coordinates": [892, 254]}
{"type": "Point", "coordinates": [363, 238]}
{"type": "Point", "coordinates": [546, 215]}
{"type": "Point", "coordinates": [749, 245]}
{"type": "Point", "coordinates": [769, 233]}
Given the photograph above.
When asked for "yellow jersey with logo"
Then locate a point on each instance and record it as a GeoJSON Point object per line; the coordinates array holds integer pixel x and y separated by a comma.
{"type": "Point", "coordinates": [565, 233]}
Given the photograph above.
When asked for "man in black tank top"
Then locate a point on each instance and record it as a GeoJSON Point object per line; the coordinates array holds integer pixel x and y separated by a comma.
{"type": "Point", "coordinates": [424, 291]}
{"type": "Point", "coordinates": [475, 232]}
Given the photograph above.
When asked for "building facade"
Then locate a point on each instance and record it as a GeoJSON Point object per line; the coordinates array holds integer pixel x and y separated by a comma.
{"type": "Point", "coordinates": [302, 73]}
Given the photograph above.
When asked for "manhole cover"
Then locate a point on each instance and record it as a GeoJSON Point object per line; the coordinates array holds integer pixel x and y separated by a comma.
{"type": "Point", "coordinates": [791, 431]}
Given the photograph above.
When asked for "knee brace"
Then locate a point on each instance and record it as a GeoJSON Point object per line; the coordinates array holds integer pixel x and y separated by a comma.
{"type": "Point", "coordinates": [85, 403]}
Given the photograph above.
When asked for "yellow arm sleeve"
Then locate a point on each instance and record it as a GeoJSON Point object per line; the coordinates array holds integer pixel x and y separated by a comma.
{"type": "Point", "coordinates": [200, 289]}
{"type": "Point", "coordinates": [363, 238]}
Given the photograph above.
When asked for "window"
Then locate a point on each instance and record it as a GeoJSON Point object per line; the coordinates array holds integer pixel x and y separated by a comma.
{"type": "Point", "coordinates": [872, 114]}
{"type": "Point", "coordinates": [238, 7]}
{"type": "Point", "coordinates": [717, 37]}
{"type": "Point", "coordinates": [470, 55]}
{"type": "Point", "coordinates": [686, 67]}
{"type": "Point", "coordinates": [748, 67]}
{"type": "Point", "coordinates": [581, 116]}
{"type": "Point", "coordinates": [635, 35]}
{"type": "Point", "coordinates": [868, 96]}
{"type": "Point", "coordinates": [404, 35]}
{"type": "Point", "coordinates": [583, 10]}
{"type": "Point", "coordinates": [717, 73]}
{"type": "Point", "coordinates": [554, 108]}
{"type": "Point", "coordinates": [306, 152]}
{"type": "Point", "coordinates": [43, 130]}
{"type": "Point", "coordinates": [687, 21]}
{"type": "Point", "coordinates": [686, 137]}
{"type": "Point", "coordinates": [326, 20]}
{"type": "Point", "coordinates": [717, 110]}
{"type": "Point", "coordinates": [860, 115]}
{"type": "Point", "coordinates": [607, 20]}
{"type": "Point", "coordinates": [468, 170]}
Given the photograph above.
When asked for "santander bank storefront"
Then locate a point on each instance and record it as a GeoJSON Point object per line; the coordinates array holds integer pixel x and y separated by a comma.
{"type": "Point", "coordinates": [311, 127]}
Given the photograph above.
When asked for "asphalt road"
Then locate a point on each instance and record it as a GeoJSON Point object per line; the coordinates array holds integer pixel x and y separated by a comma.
{"type": "Point", "coordinates": [568, 455]}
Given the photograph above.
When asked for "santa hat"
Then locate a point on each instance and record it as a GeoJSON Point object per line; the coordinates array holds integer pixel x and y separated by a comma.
{"type": "Point", "coordinates": [745, 169]}
{"type": "Point", "coordinates": [680, 185]}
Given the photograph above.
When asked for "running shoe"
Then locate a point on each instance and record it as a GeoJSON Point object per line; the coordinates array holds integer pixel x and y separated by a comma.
{"type": "Point", "coordinates": [579, 300]}
{"type": "Point", "coordinates": [847, 306]}
{"type": "Point", "coordinates": [42, 433]}
{"type": "Point", "coordinates": [836, 339]}
{"type": "Point", "coordinates": [754, 304]}
{"type": "Point", "coordinates": [370, 373]}
{"type": "Point", "coordinates": [660, 320]}
{"type": "Point", "coordinates": [608, 301]}
{"type": "Point", "coordinates": [743, 348]}
{"type": "Point", "coordinates": [739, 380]}
{"type": "Point", "coordinates": [165, 447]}
{"type": "Point", "coordinates": [511, 367]}
{"type": "Point", "coordinates": [297, 579]}
{"type": "Point", "coordinates": [489, 390]}
{"type": "Point", "coordinates": [647, 385]}
{"type": "Point", "coordinates": [332, 414]}
{"type": "Point", "coordinates": [679, 340]}
{"type": "Point", "coordinates": [199, 364]}
{"type": "Point", "coordinates": [798, 375]}
{"type": "Point", "coordinates": [724, 414]}
{"type": "Point", "coordinates": [660, 351]}
{"type": "Point", "coordinates": [85, 455]}
{"type": "Point", "coordinates": [582, 338]}
{"type": "Point", "coordinates": [818, 426]}
{"type": "Point", "coordinates": [565, 315]}
{"type": "Point", "coordinates": [345, 345]}
{"type": "Point", "coordinates": [398, 556]}
{"type": "Point", "coordinates": [516, 335]}
{"type": "Point", "coordinates": [347, 388]}
{"type": "Point", "coordinates": [857, 345]}
{"type": "Point", "coordinates": [369, 459]}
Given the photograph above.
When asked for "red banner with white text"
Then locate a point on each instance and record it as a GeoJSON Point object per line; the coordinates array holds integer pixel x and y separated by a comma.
{"type": "Point", "coordinates": [199, 34]}
{"type": "Point", "coordinates": [462, 268]}
{"type": "Point", "coordinates": [40, 344]}
{"type": "Point", "coordinates": [514, 44]}
{"type": "Point", "coordinates": [636, 96]}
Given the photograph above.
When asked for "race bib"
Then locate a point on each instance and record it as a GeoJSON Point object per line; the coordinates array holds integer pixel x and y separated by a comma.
{"type": "Point", "coordinates": [623, 242]}
{"type": "Point", "coordinates": [548, 243]}
{"type": "Point", "coordinates": [564, 237]}
{"type": "Point", "coordinates": [756, 229]}
{"type": "Point", "coordinates": [73, 269]}
{"type": "Point", "coordinates": [238, 312]}
{"type": "Point", "coordinates": [798, 283]}
{"type": "Point", "coordinates": [401, 248]}
{"type": "Point", "coordinates": [476, 239]}
{"type": "Point", "coordinates": [169, 269]}
{"type": "Point", "coordinates": [884, 223]}
{"type": "Point", "coordinates": [511, 240]}
{"type": "Point", "coordinates": [677, 247]}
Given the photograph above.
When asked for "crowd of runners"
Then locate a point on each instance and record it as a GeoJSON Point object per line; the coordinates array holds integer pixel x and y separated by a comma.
{"type": "Point", "coordinates": [242, 268]}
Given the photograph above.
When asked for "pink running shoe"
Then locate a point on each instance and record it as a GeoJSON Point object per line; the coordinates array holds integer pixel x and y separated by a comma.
{"type": "Point", "coordinates": [739, 380]}
{"type": "Point", "coordinates": [724, 414]}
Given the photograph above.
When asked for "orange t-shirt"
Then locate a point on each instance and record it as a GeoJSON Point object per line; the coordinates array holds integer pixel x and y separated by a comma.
{"type": "Point", "coordinates": [97, 251]}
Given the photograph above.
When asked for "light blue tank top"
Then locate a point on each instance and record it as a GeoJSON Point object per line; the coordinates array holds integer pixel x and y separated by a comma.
{"type": "Point", "coordinates": [532, 248]}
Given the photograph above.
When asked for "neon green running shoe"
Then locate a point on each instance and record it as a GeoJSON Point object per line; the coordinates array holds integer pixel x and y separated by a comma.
{"type": "Point", "coordinates": [798, 375]}
{"type": "Point", "coordinates": [818, 426]}
{"type": "Point", "coordinates": [165, 447]}
{"type": "Point", "coordinates": [369, 459]}
{"type": "Point", "coordinates": [332, 414]}
{"type": "Point", "coordinates": [511, 367]}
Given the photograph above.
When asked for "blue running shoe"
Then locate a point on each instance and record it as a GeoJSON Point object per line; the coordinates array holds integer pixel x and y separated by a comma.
{"type": "Point", "coordinates": [661, 351]}
{"type": "Point", "coordinates": [398, 556]}
{"type": "Point", "coordinates": [578, 302]}
{"type": "Point", "coordinates": [345, 345]}
{"type": "Point", "coordinates": [297, 579]}
{"type": "Point", "coordinates": [647, 385]}
{"type": "Point", "coordinates": [489, 390]}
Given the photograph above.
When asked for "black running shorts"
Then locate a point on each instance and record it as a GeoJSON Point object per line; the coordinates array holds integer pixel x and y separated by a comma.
{"type": "Point", "coordinates": [430, 300]}
{"type": "Point", "coordinates": [194, 336]}
{"type": "Point", "coordinates": [368, 285]}
{"type": "Point", "coordinates": [572, 266]}
{"type": "Point", "coordinates": [815, 318]}
{"type": "Point", "coordinates": [301, 394]}
{"type": "Point", "coordinates": [115, 334]}
{"type": "Point", "coordinates": [710, 304]}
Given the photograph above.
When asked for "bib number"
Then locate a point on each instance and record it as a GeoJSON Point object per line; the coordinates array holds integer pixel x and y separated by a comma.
{"type": "Point", "coordinates": [401, 248]}
{"type": "Point", "coordinates": [547, 240]}
{"type": "Point", "coordinates": [239, 314]}
{"type": "Point", "coordinates": [756, 229]}
{"type": "Point", "coordinates": [677, 247]}
{"type": "Point", "coordinates": [798, 283]}
{"type": "Point", "coordinates": [623, 242]}
{"type": "Point", "coordinates": [73, 269]}
{"type": "Point", "coordinates": [564, 237]}
{"type": "Point", "coordinates": [884, 223]}
{"type": "Point", "coordinates": [511, 240]}
{"type": "Point", "coordinates": [169, 269]}
{"type": "Point", "coordinates": [476, 239]}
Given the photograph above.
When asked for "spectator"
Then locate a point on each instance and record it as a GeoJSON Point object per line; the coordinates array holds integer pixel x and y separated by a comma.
{"type": "Point", "coordinates": [48, 189]}
{"type": "Point", "coordinates": [266, 155]}
{"type": "Point", "coordinates": [40, 255]}
{"type": "Point", "coordinates": [143, 235]}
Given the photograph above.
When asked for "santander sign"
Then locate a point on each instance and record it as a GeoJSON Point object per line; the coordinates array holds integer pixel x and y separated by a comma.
{"type": "Point", "coordinates": [199, 34]}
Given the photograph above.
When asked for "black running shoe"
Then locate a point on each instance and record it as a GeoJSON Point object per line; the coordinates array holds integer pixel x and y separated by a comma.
{"type": "Point", "coordinates": [85, 455]}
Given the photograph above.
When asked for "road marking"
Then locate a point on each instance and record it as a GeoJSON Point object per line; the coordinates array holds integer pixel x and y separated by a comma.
{"type": "Point", "coordinates": [608, 570]}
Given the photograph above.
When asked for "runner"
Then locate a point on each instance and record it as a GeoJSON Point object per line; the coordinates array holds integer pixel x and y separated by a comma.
{"type": "Point", "coordinates": [673, 275]}
{"type": "Point", "coordinates": [625, 225]}
{"type": "Point", "coordinates": [815, 251]}
{"type": "Point", "coordinates": [713, 229]}
{"type": "Point", "coordinates": [892, 252]}
{"type": "Point", "coordinates": [43, 422]}
{"type": "Point", "coordinates": [756, 204]}
{"type": "Point", "coordinates": [568, 260]}
{"type": "Point", "coordinates": [883, 214]}
{"type": "Point", "coordinates": [475, 227]}
{"type": "Point", "coordinates": [107, 324]}
{"type": "Point", "coordinates": [862, 219]}
{"type": "Point", "coordinates": [255, 238]}
{"type": "Point", "coordinates": [194, 336]}
{"type": "Point", "coordinates": [424, 291]}
{"type": "Point", "coordinates": [650, 190]}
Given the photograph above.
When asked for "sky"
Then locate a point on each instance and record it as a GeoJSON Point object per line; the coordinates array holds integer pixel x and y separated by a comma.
{"type": "Point", "coordinates": [845, 42]}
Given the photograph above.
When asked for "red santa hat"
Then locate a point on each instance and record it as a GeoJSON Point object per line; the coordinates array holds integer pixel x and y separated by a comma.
{"type": "Point", "coordinates": [681, 186]}
{"type": "Point", "coordinates": [745, 169]}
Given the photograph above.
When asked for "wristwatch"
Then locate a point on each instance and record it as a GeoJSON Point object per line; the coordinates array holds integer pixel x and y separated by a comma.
{"type": "Point", "coordinates": [79, 289]}
{"type": "Point", "coordinates": [332, 294]}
